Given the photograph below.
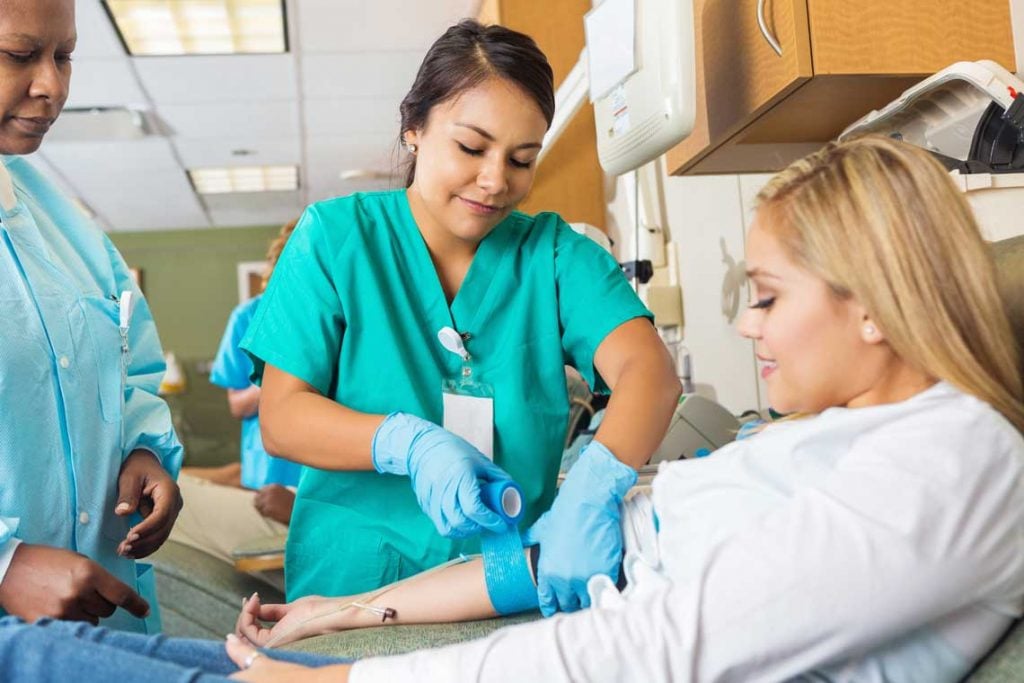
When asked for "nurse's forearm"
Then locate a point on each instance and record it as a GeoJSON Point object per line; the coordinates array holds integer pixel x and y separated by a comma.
{"type": "Point", "coordinates": [645, 391]}
{"type": "Point", "coordinates": [299, 424]}
{"type": "Point", "coordinates": [637, 416]}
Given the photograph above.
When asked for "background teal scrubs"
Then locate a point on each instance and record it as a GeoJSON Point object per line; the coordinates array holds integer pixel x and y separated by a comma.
{"type": "Point", "coordinates": [354, 308]}
{"type": "Point", "coordinates": [232, 369]}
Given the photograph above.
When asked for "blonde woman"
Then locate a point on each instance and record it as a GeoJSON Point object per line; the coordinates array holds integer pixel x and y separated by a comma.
{"type": "Point", "coordinates": [876, 537]}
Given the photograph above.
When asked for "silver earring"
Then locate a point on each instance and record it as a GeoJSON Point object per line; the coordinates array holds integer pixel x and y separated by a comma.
{"type": "Point", "coordinates": [869, 330]}
{"type": "Point", "coordinates": [411, 147]}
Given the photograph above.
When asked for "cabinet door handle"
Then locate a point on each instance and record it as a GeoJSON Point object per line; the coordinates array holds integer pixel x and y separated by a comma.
{"type": "Point", "coordinates": [764, 29]}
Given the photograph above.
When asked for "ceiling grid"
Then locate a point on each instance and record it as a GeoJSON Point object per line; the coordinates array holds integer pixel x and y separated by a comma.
{"type": "Point", "coordinates": [328, 105]}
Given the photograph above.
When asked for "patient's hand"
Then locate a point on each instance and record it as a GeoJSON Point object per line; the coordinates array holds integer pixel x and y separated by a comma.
{"type": "Point", "coordinates": [309, 616]}
{"type": "Point", "coordinates": [259, 668]}
{"type": "Point", "coordinates": [276, 502]}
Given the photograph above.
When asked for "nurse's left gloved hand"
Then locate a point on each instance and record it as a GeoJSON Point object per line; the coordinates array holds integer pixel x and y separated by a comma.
{"type": "Point", "coordinates": [446, 472]}
{"type": "Point", "coordinates": [580, 535]}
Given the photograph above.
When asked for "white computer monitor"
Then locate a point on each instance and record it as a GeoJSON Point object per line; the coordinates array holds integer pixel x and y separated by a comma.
{"type": "Point", "coordinates": [642, 78]}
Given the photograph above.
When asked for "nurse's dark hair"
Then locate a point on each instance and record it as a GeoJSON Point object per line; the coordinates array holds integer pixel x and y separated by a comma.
{"type": "Point", "coordinates": [464, 57]}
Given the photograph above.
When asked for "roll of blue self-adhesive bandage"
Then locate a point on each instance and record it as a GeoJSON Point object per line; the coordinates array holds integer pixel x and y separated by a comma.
{"type": "Point", "coordinates": [506, 571]}
{"type": "Point", "coordinates": [505, 498]}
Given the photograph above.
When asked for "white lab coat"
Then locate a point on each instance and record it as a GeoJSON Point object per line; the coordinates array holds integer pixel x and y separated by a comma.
{"type": "Point", "coordinates": [879, 543]}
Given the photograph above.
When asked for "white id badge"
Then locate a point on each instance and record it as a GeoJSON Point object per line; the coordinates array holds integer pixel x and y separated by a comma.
{"type": "Point", "coordinates": [469, 412]}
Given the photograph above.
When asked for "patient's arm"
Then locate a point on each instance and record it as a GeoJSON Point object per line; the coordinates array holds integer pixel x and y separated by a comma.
{"type": "Point", "coordinates": [454, 593]}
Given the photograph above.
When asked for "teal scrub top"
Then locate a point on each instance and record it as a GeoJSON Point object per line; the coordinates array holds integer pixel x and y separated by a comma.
{"type": "Point", "coordinates": [232, 369]}
{"type": "Point", "coordinates": [78, 393]}
{"type": "Point", "coordinates": [354, 308]}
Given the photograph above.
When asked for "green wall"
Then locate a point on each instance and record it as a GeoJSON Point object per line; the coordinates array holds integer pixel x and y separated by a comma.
{"type": "Point", "coordinates": [190, 279]}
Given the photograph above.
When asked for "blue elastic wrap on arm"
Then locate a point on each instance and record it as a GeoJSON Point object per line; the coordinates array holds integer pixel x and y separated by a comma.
{"type": "Point", "coordinates": [507, 573]}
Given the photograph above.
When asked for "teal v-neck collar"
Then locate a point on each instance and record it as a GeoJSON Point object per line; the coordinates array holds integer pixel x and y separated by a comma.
{"type": "Point", "coordinates": [475, 297]}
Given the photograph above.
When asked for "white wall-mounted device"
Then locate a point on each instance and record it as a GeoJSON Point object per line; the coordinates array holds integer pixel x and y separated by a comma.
{"type": "Point", "coordinates": [642, 78]}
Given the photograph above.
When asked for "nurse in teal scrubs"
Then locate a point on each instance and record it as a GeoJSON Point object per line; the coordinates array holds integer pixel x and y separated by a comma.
{"type": "Point", "coordinates": [85, 442]}
{"type": "Point", "coordinates": [346, 342]}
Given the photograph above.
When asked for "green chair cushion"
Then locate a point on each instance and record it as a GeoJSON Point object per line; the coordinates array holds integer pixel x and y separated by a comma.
{"type": "Point", "coordinates": [199, 595]}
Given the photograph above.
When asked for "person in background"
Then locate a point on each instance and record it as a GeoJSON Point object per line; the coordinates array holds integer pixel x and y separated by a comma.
{"type": "Point", "coordinates": [253, 498]}
{"type": "Point", "coordinates": [88, 455]}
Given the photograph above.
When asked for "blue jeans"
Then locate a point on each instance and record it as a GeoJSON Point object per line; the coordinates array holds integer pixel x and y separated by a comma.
{"type": "Point", "coordinates": [59, 651]}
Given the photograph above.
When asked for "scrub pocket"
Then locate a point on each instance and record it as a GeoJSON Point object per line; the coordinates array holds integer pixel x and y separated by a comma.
{"type": "Point", "coordinates": [102, 318]}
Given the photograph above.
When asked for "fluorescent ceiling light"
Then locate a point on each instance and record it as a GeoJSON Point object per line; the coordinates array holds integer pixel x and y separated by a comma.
{"type": "Point", "coordinates": [199, 27]}
{"type": "Point", "coordinates": [245, 179]}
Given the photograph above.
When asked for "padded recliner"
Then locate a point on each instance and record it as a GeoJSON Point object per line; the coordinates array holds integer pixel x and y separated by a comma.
{"type": "Point", "coordinates": [1005, 664]}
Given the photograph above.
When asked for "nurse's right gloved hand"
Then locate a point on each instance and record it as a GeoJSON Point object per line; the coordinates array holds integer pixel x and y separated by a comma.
{"type": "Point", "coordinates": [446, 472]}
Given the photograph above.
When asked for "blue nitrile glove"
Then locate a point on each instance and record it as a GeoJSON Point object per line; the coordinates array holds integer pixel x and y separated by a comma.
{"type": "Point", "coordinates": [445, 470]}
{"type": "Point", "coordinates": [580, 535]}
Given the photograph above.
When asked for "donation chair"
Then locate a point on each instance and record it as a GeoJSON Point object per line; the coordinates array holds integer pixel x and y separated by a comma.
{"type": "Point", "coordinates": [1005, 663]}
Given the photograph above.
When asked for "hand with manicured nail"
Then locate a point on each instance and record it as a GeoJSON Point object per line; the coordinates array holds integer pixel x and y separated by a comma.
{"type": "Point", "coordinates": [146, 487]}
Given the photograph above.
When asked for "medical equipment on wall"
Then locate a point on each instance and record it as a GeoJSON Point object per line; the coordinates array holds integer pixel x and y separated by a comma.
{"type": "Point", "coordinates": [639, 70]}
{"type": "Point", "coordinates": [642, 75]}
{"type": "Point", "coordinates": [699, 426]}
{"type": "Point", "coordinates": [969, 115]}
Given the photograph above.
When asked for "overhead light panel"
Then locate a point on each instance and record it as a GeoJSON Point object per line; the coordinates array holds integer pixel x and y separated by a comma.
{"type": "Point", "coordinates": [245, 179]}
{"type": "Point", "coordinates": [199, 27]}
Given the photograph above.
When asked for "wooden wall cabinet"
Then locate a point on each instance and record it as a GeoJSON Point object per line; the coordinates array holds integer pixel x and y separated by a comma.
{"type": "Point", "coordinates": [570, 182]}
{"type": "Point", "coordinates": [758, 111]}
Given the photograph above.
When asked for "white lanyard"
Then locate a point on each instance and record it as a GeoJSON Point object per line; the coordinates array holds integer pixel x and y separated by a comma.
{"type": "Point", "coordinates": [468, 404]}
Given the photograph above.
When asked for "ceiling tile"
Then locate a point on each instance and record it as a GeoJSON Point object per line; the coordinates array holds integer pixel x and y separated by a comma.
{"type": "Point", "coordinates": [326, 158]}
{"type": "Point", "coordinates": [218, 119]}
{"type": "Point", "coordinates": [325, 188]}
{"type": "Point", "coordinates": [255, 208]}
{"type": "Point", "coordinates": [331, 156]}
{"type": "Point", "coordinates": [76, 159]}
{"type": "Point", "coordinates": [199, 153]}
{"type": "Point", "coordinates": [105, 83]}
{"type": "Point", "coordinates": [326, 118]}
{"type": "Point", "coordinates": [232, 78]}
{"type": "Point", "coordinates": [372, 75]}
{"type": "Point", "coordinates": [357, 25]}
{"type": "Point", "coordinates": [156, 200]}
{"type": "Point", "coordinates": [96, 34]}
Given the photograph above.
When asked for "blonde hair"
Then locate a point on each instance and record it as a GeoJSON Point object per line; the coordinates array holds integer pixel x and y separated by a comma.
{"type": "Point", "coordinates": [276, 247]}
{"type": "Point", "coordinates": [881, 221]}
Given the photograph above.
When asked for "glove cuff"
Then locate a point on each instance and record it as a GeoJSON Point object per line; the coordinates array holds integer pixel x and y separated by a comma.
{"type": "Point", "coordinates": [392, 443]}
{"type": "Point", "coordinates": [606, 472]}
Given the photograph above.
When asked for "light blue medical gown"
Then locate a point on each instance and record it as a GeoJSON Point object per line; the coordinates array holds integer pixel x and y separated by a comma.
{"type": "Point", "coordinates": [74, 399]}
{"type": "Point", "coordinates": [232, 369]}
